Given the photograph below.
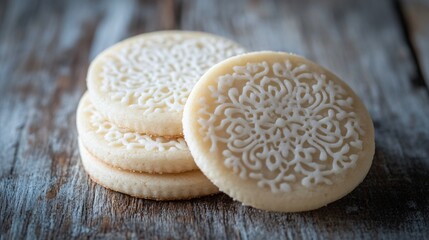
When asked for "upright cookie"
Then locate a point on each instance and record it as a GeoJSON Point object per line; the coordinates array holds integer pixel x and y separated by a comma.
{"type": "Point", "coordinates": [142, 83]}
{"type": "Point", "coordinates": [130, 150]}
{"type": "Point", "coordinates": [278, 132]}
{"type": "Point", "coordinates": [173, 186]}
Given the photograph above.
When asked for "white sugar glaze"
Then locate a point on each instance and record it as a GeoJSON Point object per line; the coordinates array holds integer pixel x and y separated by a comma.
{"type": "Point", "coordinates": [156, 73]}
{"type": "Point", "coordinates": [116, 137]}
{"type": "Point", "coordinates": [282, 124]}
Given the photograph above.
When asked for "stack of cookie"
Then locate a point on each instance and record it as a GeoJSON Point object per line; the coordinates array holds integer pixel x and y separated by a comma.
{"type": "Point", "coordinates": [272, 130]}
{"type": "Point", "coordinates": [130, 121]}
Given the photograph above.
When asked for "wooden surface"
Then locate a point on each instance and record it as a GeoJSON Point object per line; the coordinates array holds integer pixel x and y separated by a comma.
{"type": "Point", "coordinates": [380, 48]}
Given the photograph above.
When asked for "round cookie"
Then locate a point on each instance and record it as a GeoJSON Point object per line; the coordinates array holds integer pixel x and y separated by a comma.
{"type": "Point", "coordinates": [130, 150]}
{"type": "Point", "coordinates": [278, 132]}
{"type": "Point", "coordinates": [142, 83]}
{"type": "Point", "coordinates": [173, 186]}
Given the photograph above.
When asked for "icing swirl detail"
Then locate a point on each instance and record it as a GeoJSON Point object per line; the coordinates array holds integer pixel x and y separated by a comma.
{"type": "Point", "coordinates": [116, 137]}
{"type": "Point", "coordinates": [280, 124]}
{"type": "Point", "coordinates": [157, 73]}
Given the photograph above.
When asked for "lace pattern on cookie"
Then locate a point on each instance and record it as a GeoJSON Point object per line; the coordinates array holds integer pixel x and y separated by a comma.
{"type": "Point", "coordinates": [116, 137]}
{"type": "Point", "coordinates": [285, 124]}
{"type": "Point", "coordinates": [156, 74]}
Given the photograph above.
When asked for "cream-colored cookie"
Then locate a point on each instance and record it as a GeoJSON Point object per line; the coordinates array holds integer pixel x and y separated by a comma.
{"type": "Point", "coordinates": [142, 83]}
{"type": "Point", "coordinates": [173, 186]}
{"type": "Point", "coordinates": [130, 150]}
{"type": "Point", "coordinates": [277, 132]}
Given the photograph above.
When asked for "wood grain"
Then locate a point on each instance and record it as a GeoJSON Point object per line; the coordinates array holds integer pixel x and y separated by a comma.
{"type": "Point", "coordinates": [416, 18]}
{"type": "Point", "coordinates": [45, 49]}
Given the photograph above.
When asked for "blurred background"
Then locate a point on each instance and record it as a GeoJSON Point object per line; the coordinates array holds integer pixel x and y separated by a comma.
{"type": "Point", "coordinates": [380, 48]}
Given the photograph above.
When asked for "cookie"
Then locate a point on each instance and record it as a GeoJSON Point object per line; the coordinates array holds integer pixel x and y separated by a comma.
{"type": "Point", "coordinates": [278, 132]}
{"type": "Point", "coordinates": [130, 150]}
{"type": "Point", "coordinates": [173, 186]}
{"type": "Point", "coordinates": [142, 83]}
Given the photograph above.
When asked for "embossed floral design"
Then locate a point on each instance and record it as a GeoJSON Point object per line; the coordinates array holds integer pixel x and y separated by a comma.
{"type": "Point", "coordinates": [157, 73]}
{"type": "Point", "coordinates": [285, 124]}
{"type": "Point", "coordinates": [116, 137]}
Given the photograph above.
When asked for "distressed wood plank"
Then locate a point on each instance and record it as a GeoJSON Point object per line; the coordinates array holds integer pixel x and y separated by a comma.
{"type": "Point", "coordinates": [362, 42]}
{"type": "Point", "coordinates": [416, 17]}
{"type": "Point", "coordinates": [45, 49]}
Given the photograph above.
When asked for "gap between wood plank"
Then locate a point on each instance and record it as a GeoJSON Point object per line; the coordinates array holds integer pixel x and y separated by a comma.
{"type": "Point", "coordinates": [17, 145]}
{"type": "Point", "coordinates": [178, 14]}
{"type": "Point", "coordinates": [418, 79]}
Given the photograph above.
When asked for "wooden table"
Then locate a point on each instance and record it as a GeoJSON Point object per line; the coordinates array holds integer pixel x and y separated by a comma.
{"type": "Point", "coordinates": [380, 48]}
